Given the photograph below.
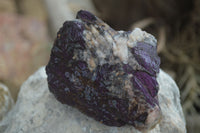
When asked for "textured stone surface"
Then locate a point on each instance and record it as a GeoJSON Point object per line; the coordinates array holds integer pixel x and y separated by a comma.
{"type": "Point", "coordinates": [6, 100]}
{"type": "Point", "coordinates": [108, 75]}
{"type": "Point", "coordinates": [23, 47]}
{"type": "Point", "coordinates": [37, 110]}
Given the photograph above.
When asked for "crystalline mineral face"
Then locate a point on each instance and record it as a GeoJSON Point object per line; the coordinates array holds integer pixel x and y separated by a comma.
{"type": "Point", "coordinates": [106, 74]}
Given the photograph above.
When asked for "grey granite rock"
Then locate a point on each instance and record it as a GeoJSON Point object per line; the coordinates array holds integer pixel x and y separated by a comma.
{"type": "Point", "coordinates": [37, 111]}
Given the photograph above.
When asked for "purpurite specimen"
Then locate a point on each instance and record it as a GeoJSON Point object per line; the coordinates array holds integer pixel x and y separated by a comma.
{"type": "Point", "coordinates": [108, 75]}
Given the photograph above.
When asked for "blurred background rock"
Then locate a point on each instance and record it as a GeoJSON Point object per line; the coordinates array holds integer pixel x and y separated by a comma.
{"type": "Point", "coordinates": [28, 28]}
{"type": "Point", "coordinates": [23, 41]}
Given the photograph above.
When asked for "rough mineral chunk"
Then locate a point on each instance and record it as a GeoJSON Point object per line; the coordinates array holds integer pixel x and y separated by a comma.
{"type": "Point", "coordinates": [108, 75]}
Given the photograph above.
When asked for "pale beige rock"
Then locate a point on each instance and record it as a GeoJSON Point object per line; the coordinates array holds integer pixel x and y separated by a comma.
{"type": "Point", "coordinates": [37, 111]}
{"type": "Point", "coordinates": [6, 100]}
{"type": "Point", "coordinates": [23, 48]}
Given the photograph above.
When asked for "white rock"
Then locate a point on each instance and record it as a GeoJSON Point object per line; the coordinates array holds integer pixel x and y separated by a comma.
{"type": "Point", "coordinates": [37, 111]}
{"type": "Point", "coordinates": [6, 100]}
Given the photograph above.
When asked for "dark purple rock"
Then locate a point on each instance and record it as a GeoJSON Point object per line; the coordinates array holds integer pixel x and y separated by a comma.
{"type": "Point", "coordinates": [107, 75]}
{"type": "Point", "coordinates": [85, 16]}
{"type": "Point", "coordinates": [146, 56]}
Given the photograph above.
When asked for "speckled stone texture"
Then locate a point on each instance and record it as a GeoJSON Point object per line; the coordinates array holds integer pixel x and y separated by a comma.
{"type": "Point", "coordinates": [37, 111]}
{"type": "Point", "coordinates": [108, 75]}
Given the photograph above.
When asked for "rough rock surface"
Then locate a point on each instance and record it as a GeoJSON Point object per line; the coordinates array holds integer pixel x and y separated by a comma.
{"type": "Point", "coordinates": [6, 101]}
{"type": "Point", "coordinates": [37, 110]}
{"type": "Point", "coordinates": [108, 75]}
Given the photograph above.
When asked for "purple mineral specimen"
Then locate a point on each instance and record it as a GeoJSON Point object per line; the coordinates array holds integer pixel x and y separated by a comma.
{"type": "Point", "coordinates": [106, 74]}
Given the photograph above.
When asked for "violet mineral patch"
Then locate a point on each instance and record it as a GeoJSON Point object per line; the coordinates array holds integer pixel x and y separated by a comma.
{"type": "Point", "coordinates": [108, 75]}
